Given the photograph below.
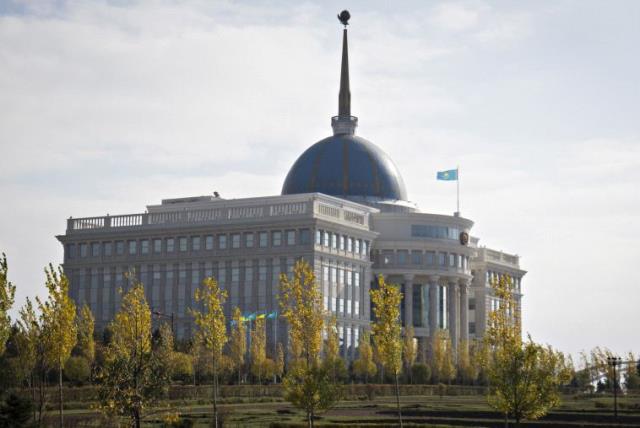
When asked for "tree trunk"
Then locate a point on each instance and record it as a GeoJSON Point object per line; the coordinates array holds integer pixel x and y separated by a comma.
{"type": "Point", "coordinates": [215, 394]}
{"type": "Point", "coordinates": [506, 420]}
{"type": "Point", "coordinates": [398, 400]}
{"type": "Point", "coordinates": [60, 394]}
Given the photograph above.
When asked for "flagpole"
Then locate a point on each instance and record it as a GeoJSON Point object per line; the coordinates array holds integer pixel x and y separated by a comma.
{"type": "Point", "coordinates": [458, 189]}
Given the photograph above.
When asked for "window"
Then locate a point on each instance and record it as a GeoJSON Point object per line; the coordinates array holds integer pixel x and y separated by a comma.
{"type": "Point", "coordinates": [325, 241]}
{"type": "Point", "coordinates": [195, 243]}
{"type": "Point", "coordinates": [472, 304]}
{"type": "Point", "coordinates": [364, 248]}
{"type": "Point", "coordinates": [248, 240]}
{"type": "Point", "coordinates": [262, 272]}
{"type": "Point", "coordinates": [356, 279]}
{"type": "Point", "coordinates": [144, 246]}
{"type": "Point", "coordinates": [170, 245]}
{"type": "Point", "coordinates": [182, 242]}
{"type": "Point", "coordinates": [438, 232]}
{"type": "Point", "coordinates": [318, 237]}
{"type": "Point", "coordinates": [350, 245]}
{"type": "Point", "coordinates": [357, 248]}
{"type": "Point", "coordinates": [305, 237]}
{"type": "Point", "coordinates": [222, 242]}
{"type": "Point", "coordinates": [157, 245]}
{"type": "Point", "coordinates": [83, 250]}
{"type": "Point", "coordinates": [342, 242]}
{"type": "Point", "coordinates": [430, 257]}
{"type": "Point", "coordinates": [208, 242]}
{"type": "Point", "coordinates": [452, 260]}
{"type": "Point", "coordinates": [264, 239]}
{"type": "Point", "coordinates": [416, 258]}
{"type": "Point", "coordinates": [472, 328]}
{"type": "Point", "coordinates": [291, 237]}
{"type": "Point", "coordinates": [402, 257]}
{"type": "Point", "coordinates": [235, 274]}
{"type": "Point", "coordinates": [235, 240]}
{"type": "Point", "coordinates": [334, 241]}
{"type": "Point", "coordinates": [95, 249]}
{"type": "Point", "coordinates": [334, 276]}
{"type": "Point", "coordinates": [133, 247]}
{"type": "Point", "coordinates": [119, 247]}
{"type": "Point", "coordinates": [325, 273]}
{"type": "Point", "coordinates": [276, 239]}
{"type": "Point", "coordinates": [442, 259]}
{"type": "Point", "coordinates": [107, 248]}
{"type": "Point", "coordinates": [71, 251]}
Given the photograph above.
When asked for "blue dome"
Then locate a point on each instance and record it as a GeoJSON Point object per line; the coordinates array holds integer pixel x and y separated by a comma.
{"type": "Point", "coordinates": [346, 166]}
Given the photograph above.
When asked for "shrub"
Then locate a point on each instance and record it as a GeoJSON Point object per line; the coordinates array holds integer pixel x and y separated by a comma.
{"type": "Point", "coordinates": [182, 366]}
{"type": "Point", "coordinates": [420, 373]}
{"type": "Point", "coordinates": [77, 370]}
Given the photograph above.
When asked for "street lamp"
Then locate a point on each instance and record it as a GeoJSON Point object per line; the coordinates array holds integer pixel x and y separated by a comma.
{"type": "Point", "coordinates": [613, 362]}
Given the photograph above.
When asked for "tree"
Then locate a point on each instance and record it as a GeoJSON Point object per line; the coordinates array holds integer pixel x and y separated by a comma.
{"type": "Point", "coordinates": [523, 377]}
{"type": "Point", "coordinates": [258, 348]}
{"type": "Point", "coordinates": [132, 376]}
{"type": "Point", "coordinates": [307, 385]}
{"type": "Point", "coordinates": [238, 342]}
{"type": "Point", "coordinates": [442, 367]}
{"type": "Point", "coordinates": [7, 297]}
{"type": "Point", "coordinates": [32, 357]}
{"type": "Point", "coordinates": [364, 366]}
{"type": "Point", "coordinates": [86, 344]}
{"type": "Point", "coordinates": [332, 361]}
{"type": "Point", "coordinates": [279, 368]}
{"type": "Point", "coordinates": [386, 330]}
{"type": "Point", "coordinates": [632, 378]}
{"type": "Point", "coordinates": [212, 329]}
{"type": "Point", "coordinates": [409, 351]}
{"type": "Point", "coordinates": [77, 369]}
{"type": "Point", "coordinates": [58, 314]}
{"type": "Point", "coordinates": [468, 368]}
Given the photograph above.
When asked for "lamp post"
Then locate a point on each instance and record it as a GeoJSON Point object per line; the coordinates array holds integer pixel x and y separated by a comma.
{"type": "Point", "coordinates": [613, 362]}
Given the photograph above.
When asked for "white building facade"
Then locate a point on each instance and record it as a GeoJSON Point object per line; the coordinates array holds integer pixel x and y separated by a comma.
{"type": "Point", "coordinates": [343, 208]}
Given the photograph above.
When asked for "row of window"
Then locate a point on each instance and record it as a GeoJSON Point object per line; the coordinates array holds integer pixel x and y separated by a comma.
{"type": "Point", "coordinates": [419, 258]}
{"type": "Point", "coordinates": [341, 242]}
{"type": "Point", "coordinates": [190, 243]}
{"type": "Point", "coordinates": [436, 232]}
{"type": "Point", "coordinates": [341, 290]}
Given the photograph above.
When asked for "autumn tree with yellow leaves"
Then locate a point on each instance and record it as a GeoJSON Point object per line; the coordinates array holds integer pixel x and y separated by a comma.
{"type": "Point", "coordinates": [132, 377]}
{"type": "Point", "coordinates": [386, 330]}
{"type": "Point", "coordinates": [364, 366]}
{"type": "Point", "coordinates": [212, 330]}
{"type": "Point", "coordinates": [86, 324]}
{"type": "Point", "coordinates": [409, 350]}
{"type": "Point", "coordinates": [238, 342]}
{"type": "Point", "coordinates": [443, 368]}
{"type": "Point", "coordinates": [524, 377]}
{"type": "Point", "coordinates": [307, 384]}
{"type": "Point", "coordinates": [258, 349]}
{"type": "Point", "coordinates": [58, 314]}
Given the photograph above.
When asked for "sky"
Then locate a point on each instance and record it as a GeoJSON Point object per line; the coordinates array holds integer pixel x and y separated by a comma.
{"type": "Point", "coordinates": [107, 107]}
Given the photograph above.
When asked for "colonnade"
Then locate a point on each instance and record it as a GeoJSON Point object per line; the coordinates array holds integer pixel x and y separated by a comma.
{"type": "Point", "coordinates": [457, 301]}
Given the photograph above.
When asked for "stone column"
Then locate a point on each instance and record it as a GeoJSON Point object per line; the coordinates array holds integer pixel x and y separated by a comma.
{"type": "Point", "coordinates": [408, 300]}
{"type": "Point", "coordinates": [433, 312]}
{"type": "Point", "coordinates": [464, 310]}
{"type": "Point", "coordinates": [452, 297]}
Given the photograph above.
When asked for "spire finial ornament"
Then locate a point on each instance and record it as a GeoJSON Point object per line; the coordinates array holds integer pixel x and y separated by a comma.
{"type": "Point", "coordinates": [344, 123]}
{"type": "Point", "coordinates": [344, 17]}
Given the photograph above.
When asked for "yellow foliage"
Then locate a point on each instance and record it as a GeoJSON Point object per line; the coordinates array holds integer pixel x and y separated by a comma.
{"type": "Point", "coordinates": [7, 297]}
{"type": "Point", "coordinates": [238, 340]}
{"type": "Point", "coordinates": [258, 348]}
{"type": "Point", "coordinates": [211, 322]}
{"type": "Point", "coordinates": [364, 365]}
{"type": "Point", "coordinates": [86, 325]}
{"type": "Point", "coordinates": [301, 305]}
{"type": "Point", "coordinates": [386, 327]}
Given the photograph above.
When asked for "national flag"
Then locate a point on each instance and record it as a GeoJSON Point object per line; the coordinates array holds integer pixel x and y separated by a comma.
{"type": "Point", "coordinates": [250, 317]}
{"type": "Point", "coordinates": [261, 316]}
{"type": "Point", "coordinates": [273, 315]}
{"type": "Point", "coordinates": [450, 175]}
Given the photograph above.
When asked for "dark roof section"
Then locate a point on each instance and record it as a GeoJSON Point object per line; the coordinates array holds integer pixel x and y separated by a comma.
{"type": "Point", "coordinates": [345, 165]}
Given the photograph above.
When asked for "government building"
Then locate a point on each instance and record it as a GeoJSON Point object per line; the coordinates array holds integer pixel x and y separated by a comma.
{"type": "Point", "coordinates": [343, 207]}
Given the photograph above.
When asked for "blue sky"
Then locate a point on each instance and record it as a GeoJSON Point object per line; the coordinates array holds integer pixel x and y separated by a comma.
{"type": "Point", "coordinates": [109, 106]}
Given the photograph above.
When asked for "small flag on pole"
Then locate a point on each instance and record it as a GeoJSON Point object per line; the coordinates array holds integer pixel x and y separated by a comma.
{"type": "Point", "coordinates": [273, 315]}
{"type": "Point", "coordinates": [449, 175]}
